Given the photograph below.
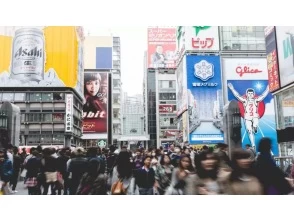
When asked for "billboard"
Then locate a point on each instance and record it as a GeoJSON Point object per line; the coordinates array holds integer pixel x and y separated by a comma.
{"type": "Point", "coordinates": [42, 57]}
{"type": "Point", "coordinates": [272, 58]}
{"type": "Point", "coordinates": [99, 52]}
{"type": "Point", "coordinates": [285, 42]}
{"type": "Point", "coordinates": [161, 48]}
{"type": "Point", "coordinates": [205, 105]}
{"type": "Point", "coordinates": [69, 113]}
{"type": "Point", "coordinates": [247, 83]}
{"type": "Point", "coordinates": [197, 38]}
{"type": "Point", "coordinates": [95, 108]}
{"type": "Point", "coordinates": [181, 88]}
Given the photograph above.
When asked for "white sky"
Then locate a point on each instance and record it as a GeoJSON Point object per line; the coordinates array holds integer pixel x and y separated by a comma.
{"type": "Point", "coordinates": [133, 44]}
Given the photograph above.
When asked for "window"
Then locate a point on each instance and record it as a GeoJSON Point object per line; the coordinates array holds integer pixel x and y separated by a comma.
{"type": "Point", "coordinates": [58, 138]}
{"type": "Point", "coordinates": [7, 97]}
{"type": "Point", "coordinates": [47, 97]}
{"type": "Point", "coordinates": [35, 97]}
{"type": "Point", "coordinates": [116, 83]}
{"type": "Point", "coordinates": [33, 139]}
{"type": "Point", "coordinates": [46, 137]}
{"type": "Point", "coordinates": [19, 97]}
{"type": "Point", "coordinates": [58, 96]}
{"type": "Point", "coordinates": [58, 117]}
{"type": "Point", "coordinates": [116, 98]}
{"type": "Point", "coordinates": [34, 117]}
{"type": "Point", "coordinates": [47, 117]}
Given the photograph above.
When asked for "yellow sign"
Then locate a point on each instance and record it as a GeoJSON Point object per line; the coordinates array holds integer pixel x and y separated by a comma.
{"type": "Point", "coordinates": [49, 56]}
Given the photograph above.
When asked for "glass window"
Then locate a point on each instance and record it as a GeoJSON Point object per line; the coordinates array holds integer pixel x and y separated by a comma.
{"type": "Point", "coordinates": [47, 97]}
{"type": "Point", "coordinates": [35, 97]}
{"type": "Point", "coordinates": [58, 96]}
{"type": "Point", "coordinates": [116, 83]}
{"type": "Point", "coordinates": [7, 97]}
{"type": "Point", "coordinates": [23, 117]}
{"type": "Point", "coordinates": [0, 96]}
{"type": "Point", "coordinates": [47, 117]}
{"type": "Point", "coordinates": [58, 138]}
{"type": "Point", "coordinates": [19, 97]}
{"type": "Point", "coordinates": [34, 117]}
{"type": "Point", "coordinates": [58, 117]}
{"type": "Point", "coordinates": [116, 98]}
{"type": "Point", "coordinates": [33, 139]}
{"type": "Point", "coordinates": [46, 137]}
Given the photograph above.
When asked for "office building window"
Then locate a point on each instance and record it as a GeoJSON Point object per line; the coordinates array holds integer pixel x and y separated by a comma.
{"type": "Point", "coordinates": [116, 83]}
{"type": "Point", "coordinates": [35, 97]}
{"type": "Point", "coordinates": [58, 117]}
{"type": "Point", "coordinates": [19, 97]}
{"type": "Point", "coordinates": [167, 96]}
{"type": "Point", "coordinates": [58, 96]}
{"type": "Point", "coordinates": [46, 137]}
{"type": "Point", "coordinates": [47, 117]}
{"type": "Point", "coordinates": [34, 117]}
{"type": "Point", "coordinates": [7, 97]}
{"type": "Point", "coordinates": [58, 138]}
{"type": "Point", "coordinates": [47, 97]}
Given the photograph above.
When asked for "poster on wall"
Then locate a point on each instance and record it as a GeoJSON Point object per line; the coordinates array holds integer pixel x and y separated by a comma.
{"type": "Point", "coordinates": [181, 88]}
{"type": "Point", "coordinates": [205, 106]}
{"type": "Point", "coordinates": [285, 43]}
{"type": "Point", "coordinates": [95, 108]}
{"type": "Point", "coordinates": [256, 104]}
{"type": "Point", "coordinates": [161, 47]}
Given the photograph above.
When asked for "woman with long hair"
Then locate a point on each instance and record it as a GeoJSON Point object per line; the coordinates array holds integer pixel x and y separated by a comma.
{"type": "Point", "coordinates": [163, 174]}
{"type": "Point", "coordinates": [208, 181]}
{"type": "Point", "coordinates": [93, 182]}
{"type": "Point", "coordinates": [123, 172]}
{"type": "Point", "coordinates": [243, 180]}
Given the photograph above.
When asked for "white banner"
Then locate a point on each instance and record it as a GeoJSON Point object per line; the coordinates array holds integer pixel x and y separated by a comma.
{"type": "Point", "coordinates": [69, 113]}
{"type": "Point", "coordinates": [244, 69]}
{"type": "Point", "coordinates": [285, 42]}
{"type": "Point", "coordinates": [198, 38]}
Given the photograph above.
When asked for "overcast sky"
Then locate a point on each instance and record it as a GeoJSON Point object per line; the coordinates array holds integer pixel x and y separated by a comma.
{"type": "Point", "coordinates": [133, 44]}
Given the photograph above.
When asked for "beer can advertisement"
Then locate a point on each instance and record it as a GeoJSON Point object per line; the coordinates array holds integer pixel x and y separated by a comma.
{"type": "Point", "coordinates": [96, 102]}
{"type": "Point", "coordinates": [42, 57]}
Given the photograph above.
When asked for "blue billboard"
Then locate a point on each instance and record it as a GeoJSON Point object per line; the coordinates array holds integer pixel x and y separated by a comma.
{"type": "Point", "coordinates": [103, 57]}
{"type": "Point", "coordinates": [205, 99]}
{"type": "Point", "coordinates": [257, 110]}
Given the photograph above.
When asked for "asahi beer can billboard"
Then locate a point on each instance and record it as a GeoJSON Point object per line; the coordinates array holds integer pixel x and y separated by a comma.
{"type": "Point", "coordinates": [50, 56]}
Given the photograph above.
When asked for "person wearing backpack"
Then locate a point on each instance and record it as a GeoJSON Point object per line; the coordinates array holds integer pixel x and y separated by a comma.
{"type": "Point", "coordinates": [122, 181]}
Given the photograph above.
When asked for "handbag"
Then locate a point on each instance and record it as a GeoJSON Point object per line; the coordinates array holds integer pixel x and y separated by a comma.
{"type": "Point", "coordinates": [24, 173]}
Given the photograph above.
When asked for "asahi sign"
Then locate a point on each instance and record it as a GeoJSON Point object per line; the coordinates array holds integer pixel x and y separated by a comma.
{"type": "Point", "coordinates": [69, 113]}
{"type": "Point", "coordinates": [28, 55]}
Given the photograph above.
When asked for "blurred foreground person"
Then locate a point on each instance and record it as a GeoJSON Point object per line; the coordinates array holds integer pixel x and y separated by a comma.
{"type": "Point", "coordinates": [243, 180]}
{"type": "Point", "coordinates": [272, 177]}
{"type": "Point", "coordinates": [163, 174]}
{"type": "Point", "coordinates": [93, 182]}
{"type": "Point", "coordinates": [6, 171]}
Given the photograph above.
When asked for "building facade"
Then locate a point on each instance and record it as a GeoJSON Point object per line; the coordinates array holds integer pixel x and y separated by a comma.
{"type": "Point", "coordinates": [103, 54]}
{"type": "Point", "coordinates": [49, 96]}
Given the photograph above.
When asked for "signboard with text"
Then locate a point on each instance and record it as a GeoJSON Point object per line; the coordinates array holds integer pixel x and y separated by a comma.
{"type": "Point", "coordinates": [69, 113]}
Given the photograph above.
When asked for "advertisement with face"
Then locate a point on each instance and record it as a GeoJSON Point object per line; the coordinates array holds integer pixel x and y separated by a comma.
{"type": "Point", "coordinates": [96, 106]}
{"type": "Point", "coordinates": [204, 83]}
{"type": "Point", "coordinates": [285, 42]}
{"type": "Point", "coordinates": [198, 38]}
{"type": "Point", "coordinates": [247, 82]}
{"type": "Point", "coordinates": [161, 47]}
{"type": "Point", "coordinates": [50, 56]}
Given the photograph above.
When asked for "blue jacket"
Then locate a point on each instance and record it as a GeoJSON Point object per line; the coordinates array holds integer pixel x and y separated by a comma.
{"type": "Point", "coordinates": [6, 170]}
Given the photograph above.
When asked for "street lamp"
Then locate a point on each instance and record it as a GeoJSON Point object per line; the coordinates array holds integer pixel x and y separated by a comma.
{"type": "Point", "coordinates": [3, 120]}
{"type": "Point", "coordinates": [236, 125]}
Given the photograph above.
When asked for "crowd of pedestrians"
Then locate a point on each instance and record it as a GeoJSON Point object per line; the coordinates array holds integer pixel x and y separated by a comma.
{"type": "Point", "coordinates": [173, 170]}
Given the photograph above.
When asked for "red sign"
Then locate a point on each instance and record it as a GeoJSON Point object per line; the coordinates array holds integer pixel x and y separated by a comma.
{"type": "Point", "coordinates": [272, 67]}
{"type": "Point", "coordinates": [198, 43]}
{"type": "Point", "coordinates": [161, 48]}
{"type": "Point", "coordinates": [170, 133]}
{"type": "Point", "coordinates": [241, 70]}
{"type": "Point", "coordinates": [166, 108]}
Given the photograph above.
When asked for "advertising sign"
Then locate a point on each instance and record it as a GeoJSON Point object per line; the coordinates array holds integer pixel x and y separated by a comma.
{"type": "Point", "coordinates": [181, 88]}
{"type": "Point", "coordinates": [198, 38]}
{"type": "Point", "coordinates": [96, 106]}
{"type": "Point", "coordinates": [205, 99]}
{"type": "Point", "coordinates": [161, 47]}
{"type": "Point", "coordinates": [42, 57]}
{"type": "Point", "coordinates": [256, 104]}
{"type": "Point", "coordinates": [285, 42]}
{"type": "Point", "coordinates": [272, 58]}
{"type": "Point", "coordinates": [166, 108]}
{"type": "Point", "coordinates": [69, 113]}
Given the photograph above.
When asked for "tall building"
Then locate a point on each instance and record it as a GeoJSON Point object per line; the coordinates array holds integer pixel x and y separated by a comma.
{"type": "Point", "coordinates": [133, 134]}
{"type": "Point", "coordinates": [103, 55]}
{"type": "Point", "coordinates": [50, 95]}
{"type": "Point", "coordinates": [160, 86]}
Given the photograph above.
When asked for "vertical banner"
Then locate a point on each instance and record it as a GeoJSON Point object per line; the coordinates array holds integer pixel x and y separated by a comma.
{"type": "Point", "coordinates": [161, 47]}
{"type": "Point", "coordinates": [205, 99]}
{"type": "Point", "coordinates": [247, 82]}
{"type": "Point", "coordinates": [272, 58]}
{"type": "Point", "coordinates": [96, 106]}
{"type": "Point", "coordinates": [181, 88]}
{"type": "Point", "coordinates": [69, 113]}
